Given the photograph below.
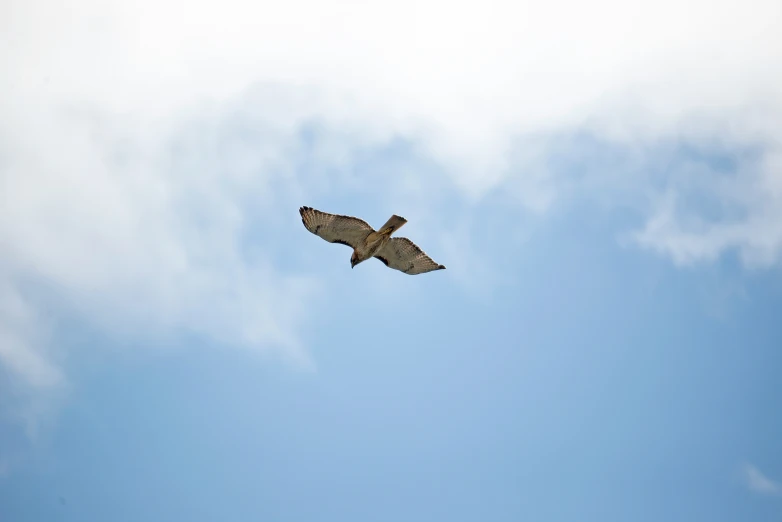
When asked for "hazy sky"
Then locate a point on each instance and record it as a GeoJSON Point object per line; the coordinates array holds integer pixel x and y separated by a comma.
{"type": "Point", "coordinates": [603, 182]}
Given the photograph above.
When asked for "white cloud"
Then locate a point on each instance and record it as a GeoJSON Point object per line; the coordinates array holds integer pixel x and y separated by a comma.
{"type": "Point", "coordinates": [760, 483]}
{"type": "Point", "coordinates": [139, 237]}
{"type": "Point", "coordinates": [107, 198]}
{"type": "Point", "coordinates": [464, 76]}
{"type": "Point", "coordinates": [752, 202]}
{"type": "Point", "coordinates": [19, 327]}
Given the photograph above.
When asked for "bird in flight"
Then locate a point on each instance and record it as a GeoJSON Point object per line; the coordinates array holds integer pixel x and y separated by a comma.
{"type": "Point", "coordinates": [398, 253]}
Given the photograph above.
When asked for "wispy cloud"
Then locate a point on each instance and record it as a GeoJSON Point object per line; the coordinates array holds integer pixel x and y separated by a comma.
{"type": "Point", "coordinates": [22, 348]}
{"type": "Point", "coordinates": [142, 237]}
{"type": "Point", "coordinates": [745, 214]}
{"type": "Point", "coordinates": [760, 483]}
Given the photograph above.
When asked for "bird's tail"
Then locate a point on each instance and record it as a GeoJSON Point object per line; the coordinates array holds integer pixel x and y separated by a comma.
{"type": "Point", "coordinates": [393, 224]}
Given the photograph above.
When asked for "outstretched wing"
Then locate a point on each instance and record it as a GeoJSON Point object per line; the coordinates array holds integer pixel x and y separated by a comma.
{"type": "Point", "coordinates": [402, 254]}
{"type": "Point", "coordinates": [345, 230]}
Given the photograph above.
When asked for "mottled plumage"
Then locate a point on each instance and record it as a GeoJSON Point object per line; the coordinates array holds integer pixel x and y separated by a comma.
{"type": "Point", "coordinates": [398, 253]}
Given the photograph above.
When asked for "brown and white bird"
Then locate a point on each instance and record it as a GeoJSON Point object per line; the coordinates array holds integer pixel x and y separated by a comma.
{"type": "Point", "coordinates": [398, 253]}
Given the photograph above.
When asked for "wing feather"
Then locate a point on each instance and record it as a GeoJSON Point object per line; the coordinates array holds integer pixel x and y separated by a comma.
{"type": "Point", "coordinates": [345, 230]}
{"type": "Point", "coordinates": [402, 254]}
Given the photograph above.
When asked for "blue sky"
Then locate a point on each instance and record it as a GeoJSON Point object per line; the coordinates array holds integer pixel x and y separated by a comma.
{"type": "Point", "coordinates": [604, 345]}
{"type": "Point", "coordinates": [591, 380]}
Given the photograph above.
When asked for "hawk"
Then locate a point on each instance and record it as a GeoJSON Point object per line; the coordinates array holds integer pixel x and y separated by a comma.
{"type": "Point", "coordinates": [398, 253]}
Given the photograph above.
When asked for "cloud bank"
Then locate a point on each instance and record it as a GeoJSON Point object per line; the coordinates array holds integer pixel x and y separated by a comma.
{"type": "Point", "coordinates": [124, 200]}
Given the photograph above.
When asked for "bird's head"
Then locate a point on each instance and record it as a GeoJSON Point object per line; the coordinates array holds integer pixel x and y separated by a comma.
{"type": "Point", "coordinates": [354, 259]}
